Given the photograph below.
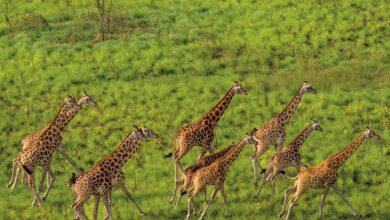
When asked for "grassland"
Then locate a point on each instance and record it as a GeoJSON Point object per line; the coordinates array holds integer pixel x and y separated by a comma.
{"type": "Point", "coordinates": [168, 62]}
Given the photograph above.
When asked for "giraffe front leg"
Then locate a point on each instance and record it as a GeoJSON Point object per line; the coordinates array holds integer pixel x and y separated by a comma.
{"type": "Point", "coordinates": [261, 149]}
{"type": "Point", "coordinates": [322, 202]}
{"type": "Point", "coordinates": [266, 175]}
{"type": "Point", "coordinates": [213, 194]}
{"type": "Point", "coordinates": [34, 191]}
{"type": "Point", "coordinates": [124, 189]}
{"type": "Point", "coordinates": [96, 206]}
{"type": "Point", "coordinates": [51, 180]}
{"type": "Point", "coordinates": [345, 199]}
{"type": "Point", "coordinates": [40, 186]}
{"type": "Point", "coordinates": [107, 204]}
{"type": "Point", "coordinates": [68, 158]}
{"type": "Point", "coordinates": [223, 195]}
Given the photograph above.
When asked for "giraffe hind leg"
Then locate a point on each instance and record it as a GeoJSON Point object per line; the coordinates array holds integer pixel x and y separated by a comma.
{"type": "Point", "coordinates": [14, 176]}
{"type": "Point", "coordinates": [287, 193]}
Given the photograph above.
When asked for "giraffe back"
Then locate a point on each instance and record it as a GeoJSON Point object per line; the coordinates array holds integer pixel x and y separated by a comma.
{"type": "Point", "coordinates": [269, 133]}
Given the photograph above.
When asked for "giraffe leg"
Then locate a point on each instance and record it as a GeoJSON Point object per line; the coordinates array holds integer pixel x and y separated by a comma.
{"type": "Point", "coordinates": [266, 175]}
{"type": "Point", "coordinates": [180, 195]}
{"type": "Point", "coordinates": [193, 192]}
{"type": "Point", "coordinates": [205, 195]}
{"type": "Point", "coordinates": [175, 183]}
{"type": "Point", "coordinates": [190, 201]}
{"type": "Point", "coordinates": [24, 178]}
{"type": "Point", "coordinates": [96, 206]}
{"type": "Point", "coordinates": [68, 158]}
{"type": "Point", "coordinates": [16, 178]}
{"type": "Point", "coordinates": [14, 171]}
{"type": "Point", "coordinates": [223, 195]}
{"type": "Point", "coordinates": [345, 199]}
{"type": "Point", "coordinates": [107, 204]}
{"type": "Point", "coordinates": [34, 191]}
{"type": "Point", "coordinates": [287, 192]}
{"type": "Point", "coordinates": [193, 208]}
{"type": "Point", "coordinates": [78, 207]}
{"type": "Point", "coordinates": [51, 180]}
{"type": "Point", "coordinates": [44, 172]}
{"type": "Point", "coordinates": [261, 149]}
{"type": "Point", "coordinates": [124, 189]}
{"type": "Point", "coordinates": [213, 194]}
{"type": "Point", "coordinates": [273, 184]}
{"type": "Point", "coordinates": [293, 201]}
{"type": "Point", "coordinates": [323, 197]}
{"type": "Point", "coordinates": [40, 186]}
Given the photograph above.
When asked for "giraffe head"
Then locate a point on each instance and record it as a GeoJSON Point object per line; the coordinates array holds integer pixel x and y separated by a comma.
{"type": "Point", "coordinates": [138, 134]}
{"type": "Point", "coordinates": [86, 100]}
{"type": "Point", "coordinates": [316, 126]}
{"type": "Point", "coordinates": [307, 88]}
{"type": "Point", "coordinates": [148, 133]}
{"type": "Point", "coordinates": [70, 103]}
{"type": "Point", "coordinates": [248, 139]}
{"type": "Point", "coordinates": [237, 88]}
{"type": "Point", "coordinates": [371, 134]}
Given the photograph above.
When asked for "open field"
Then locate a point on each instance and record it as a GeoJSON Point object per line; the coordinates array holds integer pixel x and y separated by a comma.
{"type": "Point", "coordinates": [166, 64]}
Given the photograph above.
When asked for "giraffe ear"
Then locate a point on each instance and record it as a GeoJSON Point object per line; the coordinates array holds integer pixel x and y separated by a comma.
{"type": "Point", "coordinates": [85, 92]}
{"type": "Point", "coordinates": [136, 127]}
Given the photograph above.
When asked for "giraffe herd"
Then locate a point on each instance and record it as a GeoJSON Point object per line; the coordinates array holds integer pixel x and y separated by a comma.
{"type": "Point", "coordinates": [210, 169]}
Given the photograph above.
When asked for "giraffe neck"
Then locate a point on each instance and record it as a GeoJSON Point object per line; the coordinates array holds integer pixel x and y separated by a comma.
{"type": "Point", "coordinates": [124, 151]}
{"type": "Point", "coordinates": [341, 157]}
{"type": "Point", "coordinates": [229, 158]}
{"type": "Point", "coordinates": [57, 123]}
{"type": "Point", "coordinates": [300, 139]}
{"type": "Point", "coordinates": [217, 111]}
{"type": "Point", "coordinates": [70, 115]}
{"type": "Point", "coordinates": [287, 113]}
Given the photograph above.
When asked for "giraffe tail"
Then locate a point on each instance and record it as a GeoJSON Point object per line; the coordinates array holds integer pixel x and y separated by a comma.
{"type": "Point", "coordinates": [168, 155]}
{"type": "Point", "coordinates": [29, 172]}
{"type": "Point", "coordinates": [284, 173]}
{"type": "Point", "coordinates": [183, 192]}
{"type": "Point", "coordinates": [72, 179]}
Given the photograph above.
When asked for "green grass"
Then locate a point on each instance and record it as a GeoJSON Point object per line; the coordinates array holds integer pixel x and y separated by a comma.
{"type": "Point", "coordinates": [171, 64]}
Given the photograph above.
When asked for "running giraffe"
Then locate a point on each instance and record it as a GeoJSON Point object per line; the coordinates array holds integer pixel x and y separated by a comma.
{"type": "Point", "coordinates": [324, 175]}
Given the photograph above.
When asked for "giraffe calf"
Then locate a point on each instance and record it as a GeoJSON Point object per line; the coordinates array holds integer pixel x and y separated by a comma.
{"type": "Point", "coordinates": [203, 161]}
{"type": "Point", "coordinates": [324, 175]}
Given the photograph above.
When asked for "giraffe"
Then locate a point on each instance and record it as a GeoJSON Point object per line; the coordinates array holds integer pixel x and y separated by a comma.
{"type": "Point", "coordinates": [204, 161]}
{"type": "Point", "coordinates": [324, 175]}
{"type": "Point", "coordinates": [99, 180]}
{"type": "Point", "coordinates": [40, 152]}
{"type": "Point", "coordinates": [274, 131]}
{"type": "Point", "coordinates": [290, 156]}
{"type": "Point", "coordinates": [32, 138]}
{"type": "Point", "coordinates": [215, 174]}
{"type": "Point", "coordinates": [201, 133]}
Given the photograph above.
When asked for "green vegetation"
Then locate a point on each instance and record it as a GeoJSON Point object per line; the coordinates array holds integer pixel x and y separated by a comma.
{"type": "Point", "coordinates": [166, 63]}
